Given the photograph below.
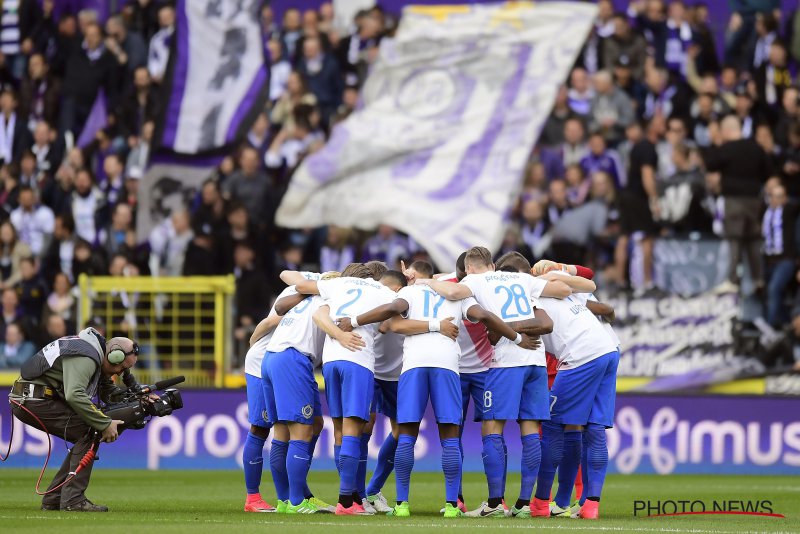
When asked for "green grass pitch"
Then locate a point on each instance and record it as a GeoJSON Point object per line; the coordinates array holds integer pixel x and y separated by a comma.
{"type": "Point", "coordinates": [211, 501]}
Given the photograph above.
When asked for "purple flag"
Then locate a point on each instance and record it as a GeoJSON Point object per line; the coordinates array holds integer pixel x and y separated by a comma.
{"type": "Point", "coordinates": [97, 120]}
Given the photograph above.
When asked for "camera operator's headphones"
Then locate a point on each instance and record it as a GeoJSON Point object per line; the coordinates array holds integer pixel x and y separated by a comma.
{"type": "Point", "coordinates": [116, 356]}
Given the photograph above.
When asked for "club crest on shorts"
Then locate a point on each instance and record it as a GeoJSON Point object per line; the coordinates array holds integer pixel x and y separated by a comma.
{"type": "Point", "coordinates": [264, 416]}
{"type": "Point", "coordinates": [307, 411]}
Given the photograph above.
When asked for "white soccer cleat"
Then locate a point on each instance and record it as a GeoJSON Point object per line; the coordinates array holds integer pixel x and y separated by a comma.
{"type": "Point", "coordinates": [379, 503]}
{"type": "Point", "coordinates": [484, 510]}
{"type": "Point", "coordinates": [368, 508]}
{"type": "Point", "coordinates": [575, 510]}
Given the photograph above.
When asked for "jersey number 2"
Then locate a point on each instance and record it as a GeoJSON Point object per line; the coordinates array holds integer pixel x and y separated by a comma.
{"type": "Point", "coordinates": [343, 307]}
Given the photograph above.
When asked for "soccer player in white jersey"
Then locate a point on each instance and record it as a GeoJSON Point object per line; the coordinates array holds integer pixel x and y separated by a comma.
{"type": "Point", "coordinates": [349, 378]}
{"type": "Point", "coordinates": [430, 371]}
{"type": "Point", "coordinates": [292, 403]}
{"type": "Point", "coordinates": [253, 450]}
{"type": "Point", "coordinates": [581, 407]}
{"type": "Point", "coordinates": [516, 386]}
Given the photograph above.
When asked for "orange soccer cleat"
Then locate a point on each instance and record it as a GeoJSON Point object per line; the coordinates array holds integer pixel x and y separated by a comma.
{"type": "Point", "coordinates": [255, 503]}
{"type": "Point", "coordinates": [540, 508]}
{"type": "Point", "coordinates": [590, 510]}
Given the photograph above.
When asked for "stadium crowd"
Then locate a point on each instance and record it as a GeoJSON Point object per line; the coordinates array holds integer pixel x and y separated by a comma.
{"type": "Point", "coordinates": [654, 134]}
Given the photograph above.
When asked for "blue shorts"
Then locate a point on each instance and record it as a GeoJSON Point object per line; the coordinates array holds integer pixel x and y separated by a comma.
{"type": "Point", "coordinates": [290, 390]}
{"type": "Point", "coordinates": [440, 385]}
{"type": "Point", "coordinates": [349, 389]}
{"type": "Point", "coordinates": [472, 385]}
{"type": "Point", "coordinates": [384, 399]}
{"type": "Point", "coordinates": [256, 408]}
{"type": "Point", "coordinates": [587, 393]}
{"type": "Point", "coordinates": [516, 394]}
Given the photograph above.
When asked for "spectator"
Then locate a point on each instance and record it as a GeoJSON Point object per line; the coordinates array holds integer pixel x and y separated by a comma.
{"type": "Point", "coordinates": [558, 203]}
{"type": "Point", "coordinates": [239, 230]}
{"type": "Point", "coordinates": [675, 135]}
{"type": "Point", "coordinates": [56, 327]}
{"type": "Point", "coordinates": [577, 185]}
{"type": "Point", "coordinates": [32, 290]}
{"type": "Point", "coordinates": [87, 206]}
{"type": "Point", "coordinates": [354, 50]}
{"type": "Point", "coordinates": [140, 105]}
{"type": "Point", "coordinates": [780, 254]}
{"type": "Point", "coordinates": [601, 158]}
{"type": "Point", "coordinates": [87, 261]}
{"type": "Point", "coordinates": [61, 301]}
{"type": "Point", "coordinates": [743, 169]}
{"type": "Point", "coordinates": [387, 245]}
{"type": "Point", "coordinates": [201, 257]}
{"type": "Point", "coordinates": [571, 151]}
{"type": "Point", "coordinates": [662, 98]}
{"type": "Point", "coordinates": [625, 43]}
{"type": "Point", "coordinates": [212, 209]}
{"type": "Point", "coordinates": [703, 115]}
{"type": "Point", "coordinates": [290, 33]}
{"type": "Point", "coordinates": [534, 226]}
{"type": "Point", "coordinates": [633, 88]}
{"type": "Point", "coordinates": [113, 186]}
{"type": "Point", "coordinates": [282, 113]}
{"type": "Point", "coordinates": [323, 76]}
{"type": "Point", "coordinates": [279, 70]}
{"type": "Point", "coordinates": [288, 148]}
{"type": "Point", "coordinates": [14, 134]}
{"type": "Point", "coordinates": [553, 131]}
{"type": "Point", "coordinates": [745, 111]}
{"type": "Point", "coordinates": [169, 255]}
{"type": "Point", "coordinates": [128, 47]}
{"type": "Point", "coordinates": [121, 221]}
{"type": "Point", "coordinates": [706, 60]}
{"type": "Point", "coordinates": [12, 252]}
{"type": "Point", "coordinates": [139, 156]}
{"type": "Point", "coordinates": [611, 110]}
{"type": "Point", "coordinates": [338, 251]}
{"type": "Point", "coordinates": [252, 292]}
{"type": "Point", "coordinates": [61, 252]}
{"type": "Point", "coordinates": [10, 311]}
{"type": "Point", "coordinates": [249, 186]}
{"type": "Point", "coordinates": [766, 33]}
{"type": "Point", "coordinates": [90, 67]}
{"type": "Point", "coordinates": [47, 149]}
{"type": "Point", "coordinates": [773, 77]}
{"type": "Point", "coordinates": [9, 197]}
{"type": "Point", "coordinates": [40, 93]}
{"type": "Point", "coordinates": [787, 115]}
{"type": "Point", "coordinates": [681, 194]}
{"type": "Point", "coordinates": [15, 350]}
{"type": "Point", "coordinates": [580, 93]}
{"type": "Point", "coordinates": [33, 221]}
{"type": "Point", "coordinates": [258, 136]}
{"type": "Point", "coordinates": [158, 52]}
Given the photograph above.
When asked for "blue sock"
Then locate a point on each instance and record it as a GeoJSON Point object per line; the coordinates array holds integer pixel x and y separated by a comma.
{"type": "Point", "coordinates": [277, 464]}
{"type": "Point", "coordinates": [361, 476]}
{"type": "Point", "coordinates": [253, 461]}
{"type": "Point", "coordinates": [403, 464]}
{"type": "Point", "coordinates": [568, 468]}
{"type": "Point", "coordinates": [337, 449]}
{"type": "Point", "coordinates": [348, 464]}
{"type": "Point", "coordinates": [311, 448]}
{"type": "Point", "coordinates": [531, 458]}
{"type": "Point", "coordinates": [596, 460]}
{"type": "Point", "coordinates": [584, 469]}
{"type": "Point", "coordinates": [384, 467]}
{"type": "Point", "coordinates": [297, 464]}
{"type": "Point", "coordinates": [451, 466]}
{"type": "Point", "coordinates": [493, 464]}
{"type": "Point", "coordinates": [461, 476]}
{"type": "Point", "coordinates": [552, 451]}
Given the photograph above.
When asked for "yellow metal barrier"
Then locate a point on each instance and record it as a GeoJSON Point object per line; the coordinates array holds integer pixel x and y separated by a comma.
{"type": "Point", "coordinates": [182, 324]}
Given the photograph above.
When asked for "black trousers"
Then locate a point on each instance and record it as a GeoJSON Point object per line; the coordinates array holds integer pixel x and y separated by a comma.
{"type": "Point", "coordinates": [60, 420]}
{"type": "Point", "coordinates": [742, 227]}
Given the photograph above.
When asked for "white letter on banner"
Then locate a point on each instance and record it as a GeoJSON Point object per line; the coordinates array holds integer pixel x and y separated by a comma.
{"type": "Point", "coordinates": [155, 448]}
{"type": "Point", "coordinates": [193, 426]}
{"type": "Point", "coordinates": [718, 431]}
{"type": "Point", "coordinates": [791, 436]}
{"type": "Point", "coordinates": [774, 443]}
{"type": "Point", "coordinates": [32, 447]}
{"type": "Point", "coordinates": [225, 448]}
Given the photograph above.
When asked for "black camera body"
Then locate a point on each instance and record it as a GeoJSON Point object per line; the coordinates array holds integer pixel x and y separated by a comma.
{"type": "Point", "coordinates": [135, 408]}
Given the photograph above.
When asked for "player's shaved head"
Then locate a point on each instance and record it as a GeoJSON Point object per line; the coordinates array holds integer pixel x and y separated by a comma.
{"type": "Point", "coordinates": [376, 268]}
{"type": "Point", "coordinates": [423, 268]}
{"type": "Point", "coordinates": [461, 269]}
{"type": "Point", "coordinates": [478, 257]}
{"type": "Point", "coordinates": [394, 280]}
{"type": "Point", "coordinates": [357, 270]}
{"type": "Point", "coordinates": [515, 260]}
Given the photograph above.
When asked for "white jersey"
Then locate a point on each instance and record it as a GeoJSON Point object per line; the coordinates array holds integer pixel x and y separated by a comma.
{"type": "Point", "coordinates": [349, 297]}
{"type": "Point", "coordinates": [512, 297]}
{"type": "Point", "coordinates": [255, 355]}
{"type": "Point", "coordinates": [583, 298]}
{"type": "Point", "coordinates": [388, 356]}
{"type": "Point", "coordinates": [432, 349]}
{"type": "Point", "coordinates": [476, 351]}
{"type": "Point", "coordinates": [297, 329]}
{"type": "Point", "coordinates": [577, 337]}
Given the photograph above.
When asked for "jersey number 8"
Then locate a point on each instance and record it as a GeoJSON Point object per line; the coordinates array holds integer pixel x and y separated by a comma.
{"type": "Point", "coordinates": [516, 295]}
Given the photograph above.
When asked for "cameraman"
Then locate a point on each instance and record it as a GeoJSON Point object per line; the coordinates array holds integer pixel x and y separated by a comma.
{"type": "Point", "coordinates": [57, 385]}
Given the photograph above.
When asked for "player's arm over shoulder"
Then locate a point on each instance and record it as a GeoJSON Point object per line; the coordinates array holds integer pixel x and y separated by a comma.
{"type": "Point", "coordinates": [561, 285]}
{"type": "Point", "coordinates": [606, 311]}
{"type": "Point", "coordinates": [448, 290]}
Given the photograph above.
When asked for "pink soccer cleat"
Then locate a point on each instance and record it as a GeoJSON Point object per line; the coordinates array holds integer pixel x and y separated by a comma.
{"type": "Point", "coordinates": [355, 509]}
{"type": "Point", "coordinates": [255, 503]}
{"type": "Point", "coordinates": [540, 508]}
{"type": "Point", "coordinates": [590, 510]}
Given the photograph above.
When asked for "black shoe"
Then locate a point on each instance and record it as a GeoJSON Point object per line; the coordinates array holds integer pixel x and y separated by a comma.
{"type": "Point", "coordinates": [51, 507]}
{"type": "Point", "coordinates": [86, 506]}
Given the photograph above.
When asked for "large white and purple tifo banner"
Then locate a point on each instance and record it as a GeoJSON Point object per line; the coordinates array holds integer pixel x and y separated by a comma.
{"type": "Point", "coordinates": [218, 75]}
{"type": "Point", "coordinates": [450, 112]}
